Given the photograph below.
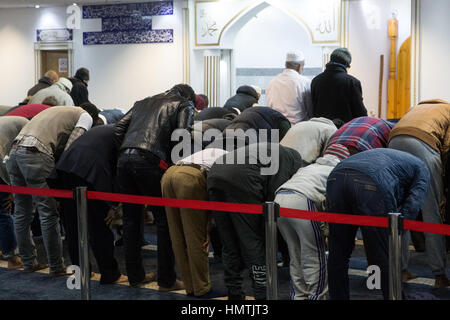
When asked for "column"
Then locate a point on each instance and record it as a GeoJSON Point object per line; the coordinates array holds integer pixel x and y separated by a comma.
{"type": "Point", "coordinates": [211, 69]}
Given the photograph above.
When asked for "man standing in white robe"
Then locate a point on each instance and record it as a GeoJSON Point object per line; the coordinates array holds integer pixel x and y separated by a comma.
{"type": "Point", "coordinates": [290, 92]}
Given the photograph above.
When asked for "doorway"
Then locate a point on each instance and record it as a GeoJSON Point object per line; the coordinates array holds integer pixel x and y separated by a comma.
{"type": "Point", "coordinates": [57, 60]}
{"type": "Point", "coordinates": [57, 56]}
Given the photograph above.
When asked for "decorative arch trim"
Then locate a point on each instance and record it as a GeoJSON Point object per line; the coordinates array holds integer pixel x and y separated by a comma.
{"type": "Point", "coordinates": [264, 4]}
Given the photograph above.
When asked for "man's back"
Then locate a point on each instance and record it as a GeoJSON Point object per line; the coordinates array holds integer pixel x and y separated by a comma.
{"type": "Point", "coordinates": [92, 157]}
{"type": "Point", "coordinates": [337, 95]}
{"type": "Point", "coordinates": [363, 133]}
{"type": "Point", "coordinates": [79, 92]}
{"type": "Point", "coordinates": [309, 137]}
{"type": "Point", "coordinates": [150, 123]}
{"type": "Point", "coordinates": [255, 174]}
{"type": "Point", "coordinates": [258, 118]}
{"type": "Point", "coordinates": [396, 174]}
{"type": "Point", "coordinates": [53, 126]}
{"type": "Point", "coordinates": [244, 98]}
{"type": "Point", "coordinates": [213, 113]}
{"type": "Point", "coordinates": [55, 90]}
{"type": "Point", "coordinates": [289, 93]}
{"type": "Point", "coordinates": [112, 115]}
{"type": "Point", "coordinates": [429, 121]}
{"type": "Point", "coordinates": [9, 129]}
{"type": "Point", "coordinates": [5, 109]}
{"type": "Point", "coordinates": [27, 111]}
{"type": "Point", "coordinates": [43, 83]}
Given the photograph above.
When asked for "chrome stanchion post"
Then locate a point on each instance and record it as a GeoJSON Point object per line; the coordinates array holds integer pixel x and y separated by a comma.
{"type": "Point", "coordinates": [395, 256]}
{"type": "Point", "coordinates": [271, 213]}
{"type": "Point", "coordinates": [81, 201]}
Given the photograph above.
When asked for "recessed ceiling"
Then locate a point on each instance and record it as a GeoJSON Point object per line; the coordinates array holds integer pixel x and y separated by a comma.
{"type": "Point", "coordinates": [54, 3]}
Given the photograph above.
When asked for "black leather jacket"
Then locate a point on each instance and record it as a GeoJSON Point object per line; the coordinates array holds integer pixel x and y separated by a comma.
{"type": "Point", "coordinates": [149, 124]}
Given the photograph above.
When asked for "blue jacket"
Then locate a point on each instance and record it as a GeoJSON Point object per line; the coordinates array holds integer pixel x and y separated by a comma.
{"type": "Point", "coordinates": [402, 178]}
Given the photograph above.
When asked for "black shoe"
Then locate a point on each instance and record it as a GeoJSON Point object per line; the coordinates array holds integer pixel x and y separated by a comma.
{"type": "Point", "coordinates": [235, 294]}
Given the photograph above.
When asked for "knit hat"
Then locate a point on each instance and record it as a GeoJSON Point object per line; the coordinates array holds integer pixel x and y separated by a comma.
{"type": "Point", "coordinates": [337, 150]}
{"type": "Point", "coordinates": [341, 55]}
{"type": "Point", "coordinates": [199, 102]}
{"type": "Point", "coordinates": [66, 83]}
{"type": "Point", "coordinates": [82, 74]}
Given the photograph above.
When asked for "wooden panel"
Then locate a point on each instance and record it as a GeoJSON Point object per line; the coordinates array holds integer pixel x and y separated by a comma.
{"type": "Point", "coordinates": [56, 60]}
{"type": "Point", "coordinates": [392, 82]}
{"type": "Point", "coordinates": [403, 95]}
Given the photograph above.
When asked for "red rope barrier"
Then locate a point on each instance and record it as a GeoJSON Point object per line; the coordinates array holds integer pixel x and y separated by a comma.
{"type": "Point", "coordinates": [179, 203]}
{"type": "Point", "coordinates": [427, 227]}
{"type": "Point", "coordinates": [335, 217]}
{"type": "Point", "coordinates": [37, 191]}
{"type": "Point", "coordinates": [233, 207]}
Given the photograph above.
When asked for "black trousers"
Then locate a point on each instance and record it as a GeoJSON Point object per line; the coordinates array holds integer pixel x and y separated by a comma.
{"type": "Point", "coordinates": [139, 173]}
{"type": "Point", "coordinates": [242, 236]}
{"type": "Point", "coordinates": [101, 238]}
{"type": "Point", "coordinates": [215, 241]}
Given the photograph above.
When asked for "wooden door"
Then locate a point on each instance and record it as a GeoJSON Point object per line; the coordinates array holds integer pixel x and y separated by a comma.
{"type": "Point", "coordinates": [57, 60]}
{"type": "Point", "coordinates": [403, 95]}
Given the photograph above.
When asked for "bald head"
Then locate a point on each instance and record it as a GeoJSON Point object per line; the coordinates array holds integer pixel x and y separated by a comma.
{"type": "Point", "coordinates": [52, 75]}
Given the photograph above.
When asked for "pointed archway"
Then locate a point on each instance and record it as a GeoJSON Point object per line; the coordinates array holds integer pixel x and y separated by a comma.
{"type": "Point", "coordinates": [222, 22]}
{"type": "Point", "coordinates": [228, 34]}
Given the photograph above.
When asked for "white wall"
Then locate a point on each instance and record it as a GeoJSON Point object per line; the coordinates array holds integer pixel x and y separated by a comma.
{"type": "Point", "coordinates": [368, 39]}
{"type": "Point", "coordinates": [402, 8]}
{"type": "Point", "coordinates": [120, 74]}
{"type": "Point", "coordinates": [265, 39]}
{"type": "Point", "coordinates": [434, 50]}
{"type": "Point", "coordinates": [17, 37]}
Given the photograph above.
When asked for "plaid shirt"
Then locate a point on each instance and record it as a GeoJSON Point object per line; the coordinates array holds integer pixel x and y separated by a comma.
{"type": "Point", "coordinates": [363, 133]}
{"type": "Point", "coordinates": [30, 141]}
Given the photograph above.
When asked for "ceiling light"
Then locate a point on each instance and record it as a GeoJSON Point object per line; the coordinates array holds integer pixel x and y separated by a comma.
{"type": "Point", "coordinates": [37, 6]}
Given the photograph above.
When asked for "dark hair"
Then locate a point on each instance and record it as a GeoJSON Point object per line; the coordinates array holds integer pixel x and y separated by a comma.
{"type": "Point", "coordinates": [82, 74]}
{"type": "Point", "coordinates": [185, 91]}
{"type": "Point", "coordinates": [338, 123]}
{"type": "Point", "coordinates": [205, 98]}
{"type": "Point", "coordinates": [50, 101]}
{"type": "Point", "coordinates": [91, 109]}
{"type": "Point", "coordinates": [99, 122]}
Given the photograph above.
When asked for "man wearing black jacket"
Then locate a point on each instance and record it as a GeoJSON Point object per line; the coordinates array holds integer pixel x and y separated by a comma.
{"type": "Point", "coordinates": [79, 91]}
{"type": "Point", "coordinates": [258, 118]}
{"type": "Point", "coordinates": [336, 94]}
{"type": "Point", "coordinates": [242, 234]}
{"type": "Point", "coordinates": [90, 162]}
{"type": "Point", "coordinates": [245, 97]}
{"type": "Point", "coordinates": [215, 113]}
{"type": "Point", "coordinates": [201, 128]}
{"type": "Point", "coordinates": [143, 137]}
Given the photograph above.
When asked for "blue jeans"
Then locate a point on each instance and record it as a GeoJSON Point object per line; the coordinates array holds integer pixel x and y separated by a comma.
{"type": "Point", "coordinates": [352, 192]}
{"type": "Point", "coordinates": [8, 242]}
{"type": "Point", "coordinates": [30, 169]}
